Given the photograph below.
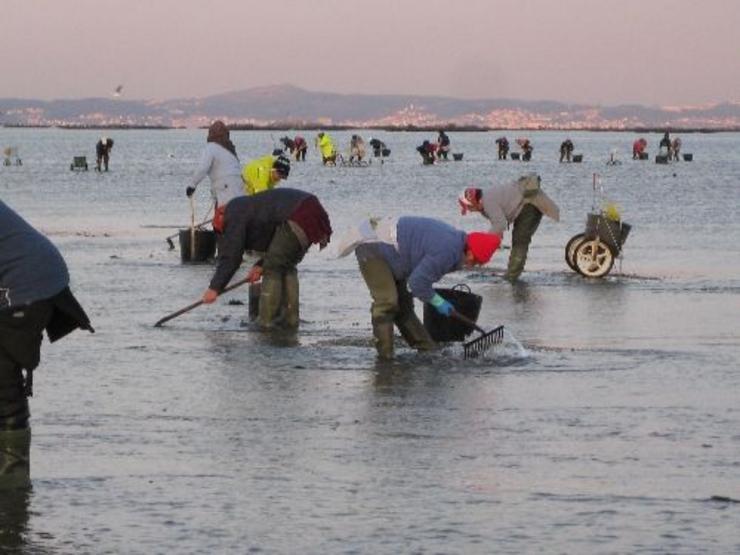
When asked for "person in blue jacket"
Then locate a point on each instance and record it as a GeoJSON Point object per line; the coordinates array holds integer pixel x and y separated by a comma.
{"type": "Point", "coordinates": [402, 259]}
{"type": "Point", "coordinates": [34, 296]}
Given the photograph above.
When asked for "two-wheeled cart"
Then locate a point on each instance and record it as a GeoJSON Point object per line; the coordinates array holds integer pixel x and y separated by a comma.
{"type": "Point", "coordinates": [592, 253]}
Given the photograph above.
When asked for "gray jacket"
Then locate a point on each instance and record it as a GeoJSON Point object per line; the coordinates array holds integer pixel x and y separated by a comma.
{"type": "Point", "coordinates": [503, 203]}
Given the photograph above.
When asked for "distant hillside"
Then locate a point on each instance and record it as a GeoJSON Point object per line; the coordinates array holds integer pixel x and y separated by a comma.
{"type": "Point", "coordinates": [288, 105]}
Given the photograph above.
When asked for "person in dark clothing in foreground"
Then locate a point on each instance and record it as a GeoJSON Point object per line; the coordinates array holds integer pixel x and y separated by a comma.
{"type": "Point", "coordinates": [34, 296]}
{"type": "Point", "coordinates": [416, 252]}
{"type": "Point", "coordinates": [282, 224]}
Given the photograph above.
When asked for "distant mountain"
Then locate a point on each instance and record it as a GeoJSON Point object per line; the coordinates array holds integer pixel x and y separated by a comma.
{"type": "Point", "coordinates": [292, 106]}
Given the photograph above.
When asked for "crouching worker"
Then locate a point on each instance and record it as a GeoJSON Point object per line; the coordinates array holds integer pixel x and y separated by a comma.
{"type": "Point", "coordinates": [282, 224]}
{"type": "Point", "coordinates": [34, 296]}
{"type": "Point", "coordinates": [402, 259]}
{"type": "Point", "coordinates": [522, 203]}
{"type": "Point", "coordinates": [265, 173]}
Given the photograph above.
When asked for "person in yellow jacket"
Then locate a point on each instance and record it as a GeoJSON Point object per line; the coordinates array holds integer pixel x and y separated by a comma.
{"type": "Point", "coordinates": [326, 146]}
{"type": "Point", "coordinates": [264, 173]}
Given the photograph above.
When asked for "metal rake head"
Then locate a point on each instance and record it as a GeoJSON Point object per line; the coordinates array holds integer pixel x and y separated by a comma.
{"type": "Point", "coordinates": [478, 346]}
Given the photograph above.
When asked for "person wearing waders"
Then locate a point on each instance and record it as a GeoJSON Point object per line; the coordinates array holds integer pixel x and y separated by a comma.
{"type": "Point", "coordinates": [522, 203]}
{"type": "Point", "coordinates": [566, 150]}
{"type": "Point", "coordinates": [34, 296]}
{"type": "Point", "coordinates": [221, 164]}
{"type": "Point", "coordinates": [282, 224]}
{"type": "Point", "coordinates": [402, 259]}
{"type": "Point", "coordinates": [102, 153]}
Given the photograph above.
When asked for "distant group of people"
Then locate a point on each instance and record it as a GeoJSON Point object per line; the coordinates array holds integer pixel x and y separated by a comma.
{"type": "Point", "coordinates": [283, 223]}
{"type": "Point", "coordinates": [433, 151]}
{"type": "Point", "coordinates": [502, 148]}
{"type": "Point", "coordinates": [669, 148]}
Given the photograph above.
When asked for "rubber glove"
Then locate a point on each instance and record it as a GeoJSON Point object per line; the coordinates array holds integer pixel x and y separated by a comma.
{"type": "Point", "coordinates": [441, 305]}
{"type": "Point", "coordinates": [189, 191]}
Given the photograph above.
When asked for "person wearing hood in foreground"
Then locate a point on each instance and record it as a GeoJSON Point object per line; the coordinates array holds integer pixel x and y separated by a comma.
{"type": "Point", "coordinates": [221, 164]}
{"type": "Point", "coordinates": [34, 296]}
{"type": "Point", "coordinates": [281, 223]}
{"type": "Point", "coordinates": [402, 259]}
{"type": "Point", "coordinates": [521, 203]}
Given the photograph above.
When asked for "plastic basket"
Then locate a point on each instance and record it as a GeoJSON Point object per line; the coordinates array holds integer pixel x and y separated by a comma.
{"type": "Point", "coordinates": [443, 328]}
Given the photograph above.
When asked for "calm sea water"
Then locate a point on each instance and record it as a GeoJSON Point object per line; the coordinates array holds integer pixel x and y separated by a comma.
{"type": "Point", "coordinates": [607, 423]}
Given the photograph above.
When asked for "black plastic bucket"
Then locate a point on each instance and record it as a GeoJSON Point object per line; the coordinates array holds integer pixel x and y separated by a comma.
{"type": "Point", "coordinates": [644, 156]}
{"type": "Point", "coordinates": [205, 245]}
{"type": "Point", "coordinates": [661, 158]}
{"type": "Point", "coordinates": [613, 233]}
{"type": "Point", "coordinates": [515, 156]}
{"type": "Point", "coordinates": [457, 156]}
{"type": "Point", "coordinates": [688, 157]}
{"type": "Point", "coordinates": [386, 152]}
{"type": "Point", "coordinates": [443, 328]}
{"type": "Point", "coordinates": [578, 158]}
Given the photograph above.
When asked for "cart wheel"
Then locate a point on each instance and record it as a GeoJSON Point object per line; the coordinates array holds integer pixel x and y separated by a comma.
{"type": "Point", "coordinates": [593, 258]}
{"type": "Point", "coordinates": [570, 250]}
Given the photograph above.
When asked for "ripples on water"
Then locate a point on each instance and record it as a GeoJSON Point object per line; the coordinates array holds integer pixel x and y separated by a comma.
{"type": "Point", "coordinates": [607, 422]}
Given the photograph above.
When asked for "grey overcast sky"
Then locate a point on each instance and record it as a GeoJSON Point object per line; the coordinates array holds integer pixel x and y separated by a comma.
{"type": "Point", "coordinates": [655, 52]}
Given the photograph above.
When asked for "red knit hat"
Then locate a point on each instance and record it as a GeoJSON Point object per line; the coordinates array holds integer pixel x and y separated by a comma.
{"type": "Point", "coordinates": [483, 245]}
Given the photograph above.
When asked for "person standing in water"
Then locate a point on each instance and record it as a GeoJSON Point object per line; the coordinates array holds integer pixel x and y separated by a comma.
{"type": "Point", "coordinates": [34, 297]}
{"type": "Point", "coordinates": [282, 224]}
{"type": "Point", "coordinates": [520, 202]}
{"type": "Point", "coordinates": [221, 164]}
{"type": "Point", "coordinates": [401, 259]}
{"type": "Point", "coordinates": [102, 153]}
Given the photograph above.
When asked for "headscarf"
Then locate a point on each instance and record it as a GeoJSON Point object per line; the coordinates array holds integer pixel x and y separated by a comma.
{"type": "Point", "coordinates": [218, 133]}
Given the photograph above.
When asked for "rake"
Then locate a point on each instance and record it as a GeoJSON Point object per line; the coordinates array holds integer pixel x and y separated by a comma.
{"type": "Point", "coordinates": [487, 339]}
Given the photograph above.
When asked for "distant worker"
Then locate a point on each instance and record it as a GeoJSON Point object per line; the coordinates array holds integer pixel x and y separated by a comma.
{"type": "Point", "coordinates": [288, 143]}
{"type": "Point", "coordinates": [327, 149]}
{"type": "Point", "coordinates": [221, 164]}
{"type": "Point", "coordinates": [403, 258]}
{"type": "Point", "coordinates": [428, 152]}
{"type": "Point", "coordinates": [443, 145]}
{"type": "Point", "coordinates": [527, 148]}
{"type": "Point", "coordinates": [503, 147]}
{"type": "Point", "coordinates": [300, 148]}
{"type": "Point", "coordinates": [676, 147]}
{"type": "Point", "coordinates": [521, 203]}
{"type": "Point", "coordinates": [638, 148]}
{"type": "Point", "coordinates": [34, 296]}
{"type": "Point", "coordinates": [282, 224]}
{"type": "Point", "coordinates": [102, 153]}
{"type": "Point", "coordinates": [566, 150]}
{"type": "Point", "coordinates": [379, 148]}
{"type": "Point", "coordinates": [665, 143]}
{"type": "Point", "coordinates": [356, 149]}
{"type": "Point", "coordinates": [265, 173]}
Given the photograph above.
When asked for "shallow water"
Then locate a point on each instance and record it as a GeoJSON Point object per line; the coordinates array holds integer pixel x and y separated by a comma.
{"type": "Point", "coordinates": [605, 423]}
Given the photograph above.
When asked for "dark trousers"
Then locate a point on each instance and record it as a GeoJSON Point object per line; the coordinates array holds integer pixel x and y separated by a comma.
{"type": "Point", "coordinates": [279, 292]}
{"type": "Point", "coordinates": [525, 225]}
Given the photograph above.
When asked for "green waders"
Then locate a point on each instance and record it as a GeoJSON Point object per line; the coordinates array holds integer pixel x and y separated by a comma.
{"type": "Point", "coordinates": [525, 225]}
{"type": "Point", "coordinates": [392, 304]}
{"type": "Point", "coordinates": [279, 290]}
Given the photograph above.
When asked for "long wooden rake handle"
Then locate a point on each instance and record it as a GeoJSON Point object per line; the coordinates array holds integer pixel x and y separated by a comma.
{"type": "Point", "coordinates": [196, 304]}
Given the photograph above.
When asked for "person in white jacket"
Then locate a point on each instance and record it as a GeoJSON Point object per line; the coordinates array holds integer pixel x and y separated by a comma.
{"type": "Point", "coordinates": [221, 164]}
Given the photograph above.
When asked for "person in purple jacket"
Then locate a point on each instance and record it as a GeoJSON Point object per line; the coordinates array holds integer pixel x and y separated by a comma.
{"type": "Point", "coordinates": [402, 259]}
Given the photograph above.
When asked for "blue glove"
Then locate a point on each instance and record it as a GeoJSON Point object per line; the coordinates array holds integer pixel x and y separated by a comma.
{"type": "Point", "coordinates": [441, 305]}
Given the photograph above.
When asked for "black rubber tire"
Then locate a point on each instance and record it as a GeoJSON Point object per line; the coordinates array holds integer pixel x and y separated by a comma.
{"type": "Point", "coordinates": [570, 250]}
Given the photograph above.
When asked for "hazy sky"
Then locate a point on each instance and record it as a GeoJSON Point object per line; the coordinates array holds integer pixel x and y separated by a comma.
{"type": "Point", "coordinates": [665, 52]}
